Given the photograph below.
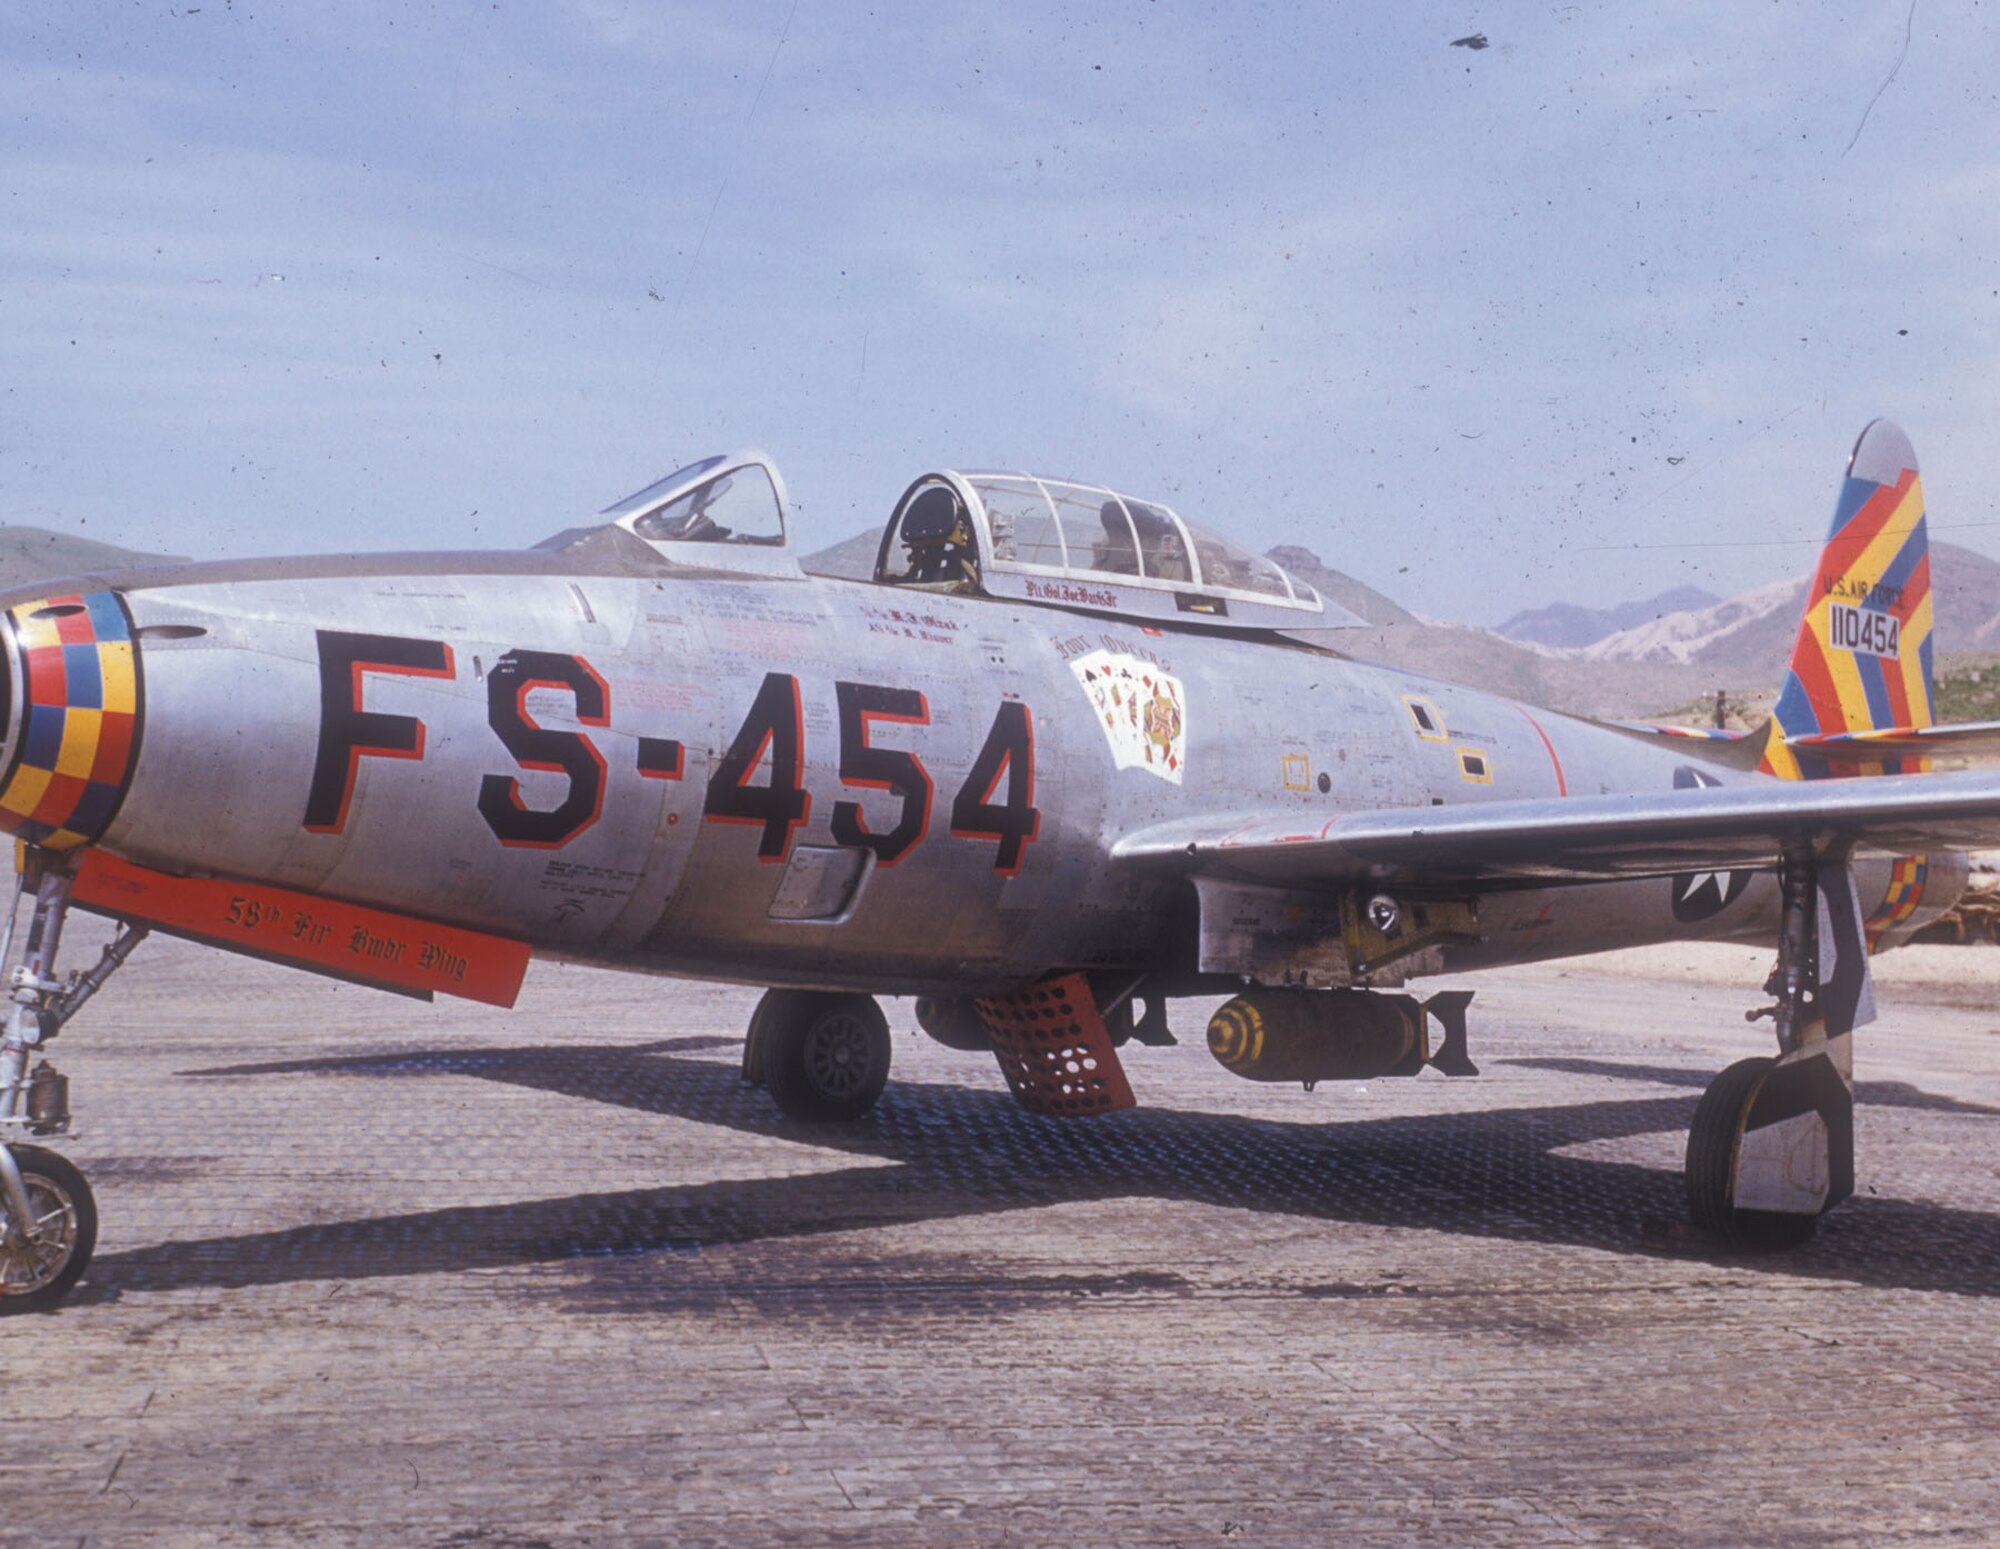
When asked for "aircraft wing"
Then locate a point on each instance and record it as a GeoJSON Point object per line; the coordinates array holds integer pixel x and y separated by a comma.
{"type": "Point", "coordinates": [1587, 838]}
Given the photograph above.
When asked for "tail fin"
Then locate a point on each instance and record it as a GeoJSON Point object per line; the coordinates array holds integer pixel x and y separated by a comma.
{"type": "Point", "coordinates": [1862, 660]}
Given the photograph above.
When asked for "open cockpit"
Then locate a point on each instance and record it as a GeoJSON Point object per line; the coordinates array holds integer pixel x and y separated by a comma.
{"type": "Point", "coordinates": [726, 513]}
{"type": "Point", "coordinates": [1082, 545]}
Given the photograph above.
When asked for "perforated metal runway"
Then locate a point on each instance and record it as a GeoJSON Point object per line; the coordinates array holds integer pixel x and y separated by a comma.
{"type": "Point", "coordinates": [374, 1272]}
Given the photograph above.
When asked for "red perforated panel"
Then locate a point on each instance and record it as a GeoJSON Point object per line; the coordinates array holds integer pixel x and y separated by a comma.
{"type": "Point", "coordinates": [1055, 1051]}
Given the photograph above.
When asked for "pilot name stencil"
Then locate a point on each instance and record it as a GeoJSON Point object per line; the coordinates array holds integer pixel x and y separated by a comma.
{"type": "Point", "coordinates": [1142, 709]}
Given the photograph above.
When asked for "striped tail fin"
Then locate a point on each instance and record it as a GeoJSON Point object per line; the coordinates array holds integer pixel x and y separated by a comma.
{"type": "Point", "coordinates": [1862, 660]}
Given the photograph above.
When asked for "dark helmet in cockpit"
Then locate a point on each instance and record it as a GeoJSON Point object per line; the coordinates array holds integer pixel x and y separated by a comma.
{"type": "Point", "coordinates": [937, 530]}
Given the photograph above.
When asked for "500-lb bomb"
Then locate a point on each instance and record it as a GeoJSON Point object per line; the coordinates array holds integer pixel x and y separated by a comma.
{"type": "Point", "coordinates": [1319, 1035]}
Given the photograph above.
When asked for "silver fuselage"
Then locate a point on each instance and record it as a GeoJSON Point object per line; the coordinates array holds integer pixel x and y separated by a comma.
{"type": "Point", "coordinates": [478, 826]}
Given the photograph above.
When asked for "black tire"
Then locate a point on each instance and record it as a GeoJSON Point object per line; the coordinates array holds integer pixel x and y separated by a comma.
{"type": "Point", "coordinates": [773, 1010]}
{"type": "Point", "coordinates": [826, 1057]}
{"type": "Point", "coordinates": [1711, 1160]}
{"type": "Point", "coordinates": [35, 1281]}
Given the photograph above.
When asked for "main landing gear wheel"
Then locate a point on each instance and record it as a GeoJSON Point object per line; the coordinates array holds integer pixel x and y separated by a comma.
{"type": "Point", "coordinates": [1713, 1140]}
{"type": "Point", "coordinates": [35, 1275]}
{"type": "Point", "coordinates": [825, 1057]}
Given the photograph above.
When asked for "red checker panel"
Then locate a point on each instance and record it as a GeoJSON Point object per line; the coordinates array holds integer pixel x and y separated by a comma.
{"type": "Point", "coordinates": [114, 748]}
{"type": "Point", "coordinates": [1055, 1050]}
{"type": "Point", "coordinates": [48, 681]}
{"type": "Point", "coordinates": [59, 800]}
{"type": "Point", "coordinates": [76, 628]}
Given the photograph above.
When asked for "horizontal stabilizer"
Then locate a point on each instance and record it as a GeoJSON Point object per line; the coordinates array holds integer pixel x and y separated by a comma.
{"type": "Point", "coordinates": [1963, 743]}
{"type": "Point", "coordinates": [1687, 733]}
{"type": "Point", "coordinates": [347, 941]}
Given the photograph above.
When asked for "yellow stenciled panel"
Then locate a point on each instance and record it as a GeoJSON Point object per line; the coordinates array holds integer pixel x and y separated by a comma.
{"type": "Point", "coordinates": [1426, 717]}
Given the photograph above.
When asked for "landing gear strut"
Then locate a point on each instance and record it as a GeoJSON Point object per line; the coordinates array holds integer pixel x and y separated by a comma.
{"type": "Point", "coordinates": [1771, 1147]}
{"type": "Point", "coordinates": [48, 1219]}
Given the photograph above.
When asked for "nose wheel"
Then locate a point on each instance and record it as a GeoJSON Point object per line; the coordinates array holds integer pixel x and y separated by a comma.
{"type": "Point", "coordinates": [46, 1239]}
{"type": "Point", "coordinates": [48, 1219]}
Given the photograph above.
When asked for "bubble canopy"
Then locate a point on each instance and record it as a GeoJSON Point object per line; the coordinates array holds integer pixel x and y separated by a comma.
{"type": "Point", "coordinates": [1082, 545]}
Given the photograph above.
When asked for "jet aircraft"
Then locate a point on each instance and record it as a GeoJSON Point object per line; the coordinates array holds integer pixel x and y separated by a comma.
{"type": "Point", "coordinates": [1066, 757]}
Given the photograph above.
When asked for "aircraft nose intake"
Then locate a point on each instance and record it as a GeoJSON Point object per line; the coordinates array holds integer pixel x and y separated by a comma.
{"type": "Point", "coordinates": [70, 709]}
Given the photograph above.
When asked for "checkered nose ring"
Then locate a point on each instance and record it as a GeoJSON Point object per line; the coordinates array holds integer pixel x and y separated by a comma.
{"type": "Point", "coordinates": [71, 714]}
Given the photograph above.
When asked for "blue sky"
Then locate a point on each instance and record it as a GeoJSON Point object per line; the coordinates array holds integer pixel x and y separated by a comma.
{"type": "Point", "coordinates": [1593, 311]}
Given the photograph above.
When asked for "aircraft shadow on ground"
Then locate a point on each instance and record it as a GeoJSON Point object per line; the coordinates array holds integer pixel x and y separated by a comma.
{"type": "Point", "coordinates": [958, 1152]}
{"type": "Point", "coordinates": [1874, 1094]}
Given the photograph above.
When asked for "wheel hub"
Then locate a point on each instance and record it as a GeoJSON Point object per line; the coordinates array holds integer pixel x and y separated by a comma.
{"type": "Point", "coordinates": [26, 1264]}
{"type": "Point", "coordinates": [837, 1055]}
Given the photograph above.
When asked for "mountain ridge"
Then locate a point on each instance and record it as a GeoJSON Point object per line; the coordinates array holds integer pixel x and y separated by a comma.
{"type": "Point", "coordinates": [1569, 625]}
